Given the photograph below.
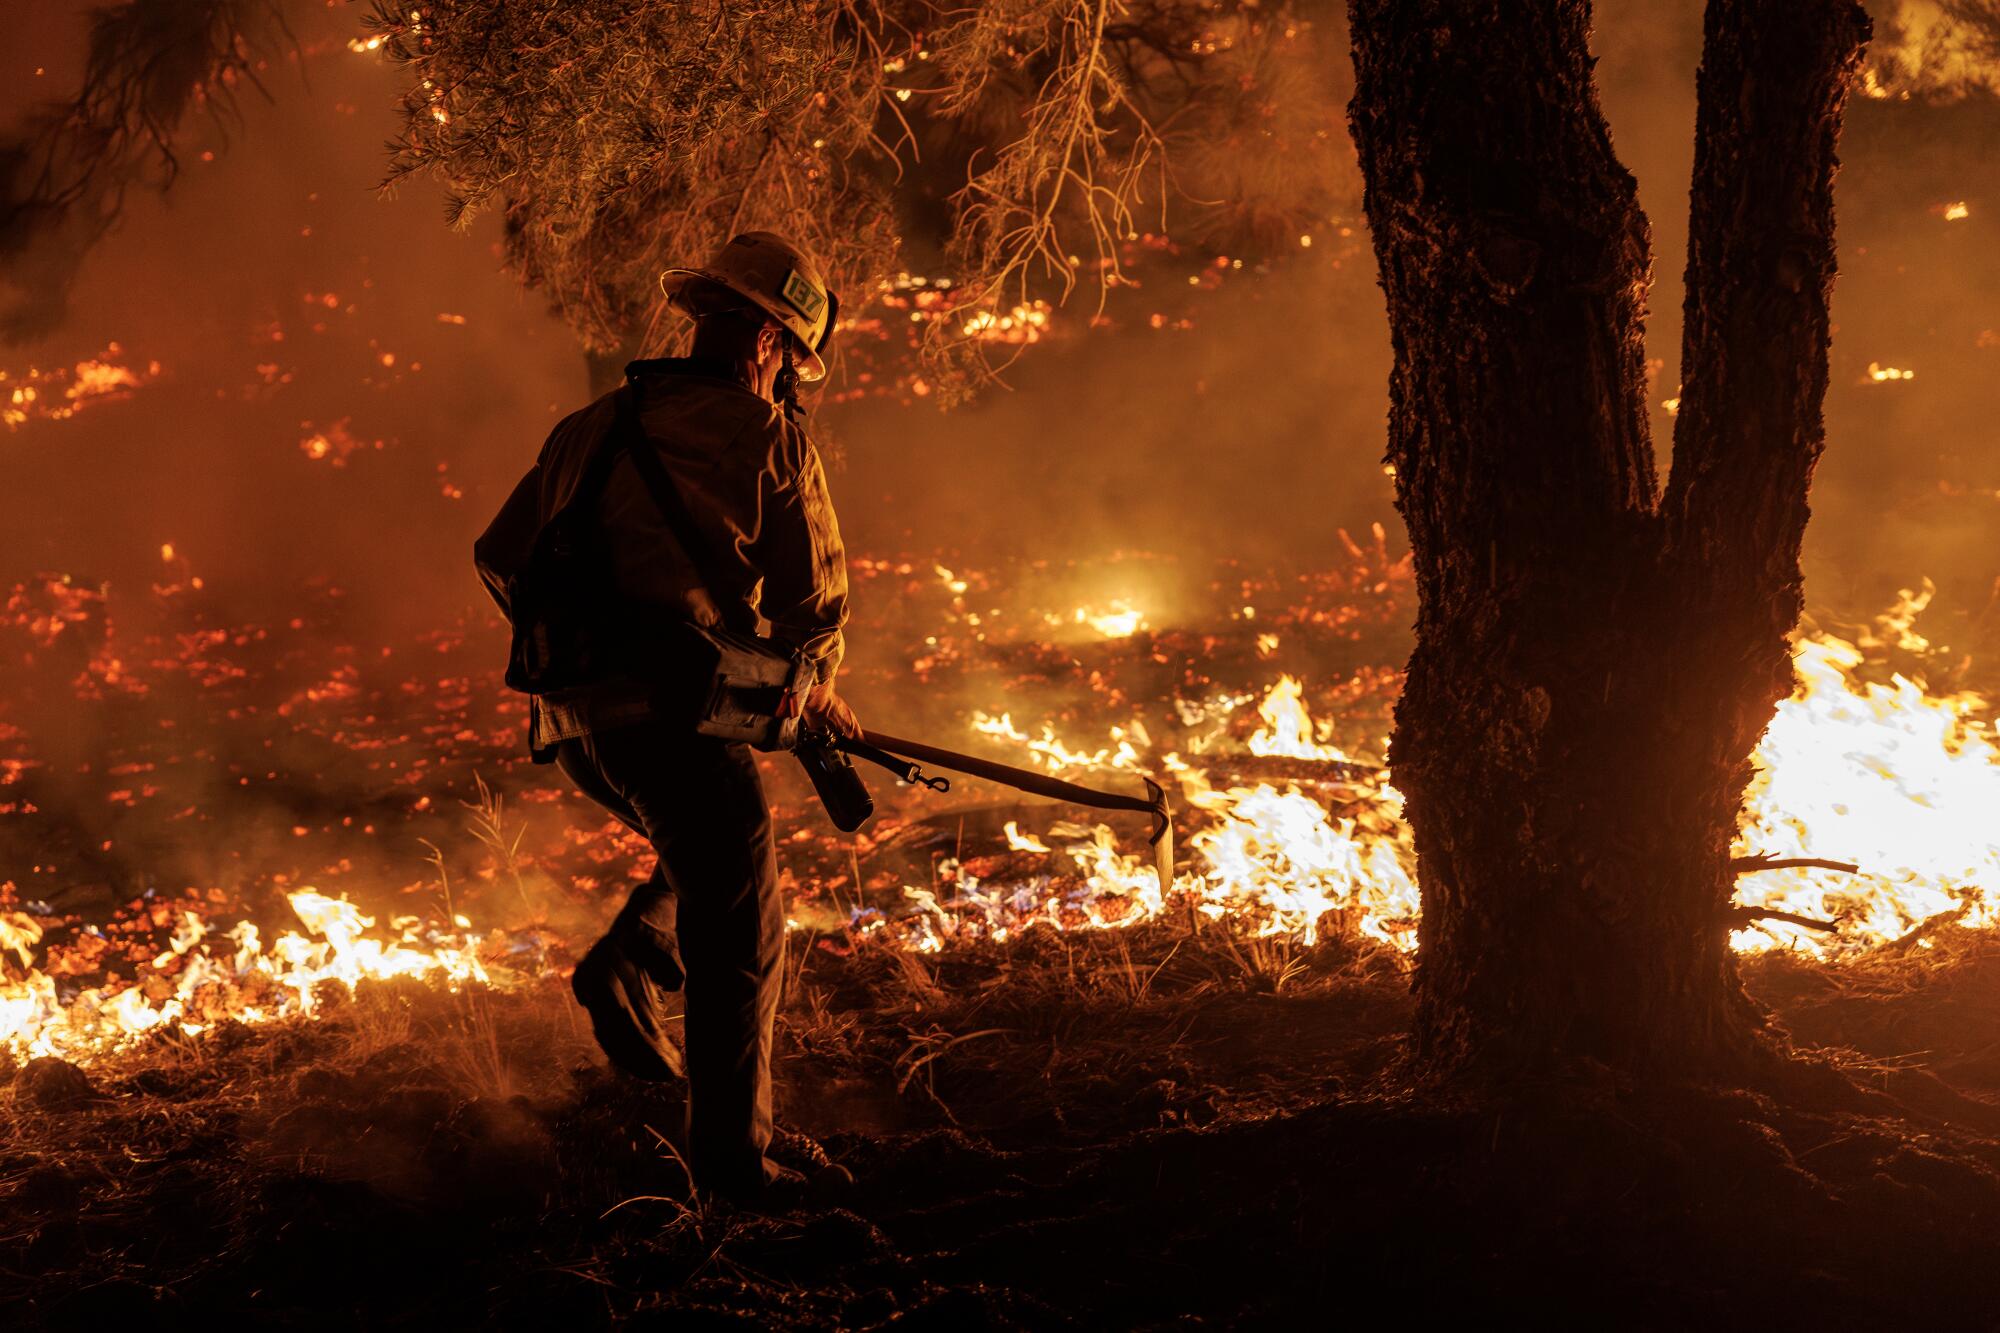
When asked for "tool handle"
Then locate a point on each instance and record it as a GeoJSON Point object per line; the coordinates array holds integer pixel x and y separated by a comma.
{"type": "Point", "coordinates": [1154, 803]}
{"type": "Point", "coordinates": [1024, 779]}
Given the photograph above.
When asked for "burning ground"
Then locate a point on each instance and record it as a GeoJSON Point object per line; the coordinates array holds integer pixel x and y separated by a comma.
{"type": "Point", "coordinates": [286, 919]}
{"type": "Point", "coordinates": [303, 950]}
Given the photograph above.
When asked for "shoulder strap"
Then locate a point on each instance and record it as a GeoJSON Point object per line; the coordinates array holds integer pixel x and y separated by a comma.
{"type": "Point", "coordinates": [597, 471]}
{"type": "Point", "coordinates": [666, 495]}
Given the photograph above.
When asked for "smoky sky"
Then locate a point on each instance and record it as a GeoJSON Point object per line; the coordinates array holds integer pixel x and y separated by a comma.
{"type": "Point", "coordinates": [285, 300]}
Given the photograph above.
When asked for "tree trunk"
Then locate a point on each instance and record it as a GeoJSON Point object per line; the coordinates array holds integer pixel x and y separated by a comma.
{"type": "Point", "coordinates": [1593, 667]}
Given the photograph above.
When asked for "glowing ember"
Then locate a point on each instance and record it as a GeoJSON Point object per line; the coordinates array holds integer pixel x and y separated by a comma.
{"type": "Point", "coordinates": [334, 442]}
{"type": "Point", "coordinates": [1121, 620]}
{"type": "Point", "coordinates": [1023, 324]}
{"type": "Point", "coordinates": [63, 392]}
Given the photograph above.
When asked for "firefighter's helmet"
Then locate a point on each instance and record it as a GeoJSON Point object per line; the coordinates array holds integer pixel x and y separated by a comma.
{"type": "Point", "coordinates": [773, 274]}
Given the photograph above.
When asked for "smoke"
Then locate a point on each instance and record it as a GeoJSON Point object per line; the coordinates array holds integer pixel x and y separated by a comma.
{"type": "Point", "coordinates": [1908, 483]}
{"type": "Point", "coordinates": [1933, 48]}
{"type": "Point", "coordinates": [347, 390]}
{"type": "Point", "coordinates": [151, 68]}
{"type": "Point", "coordinates": [1247, 426]}
{"type": "Point", "coordinates": [341, 385]}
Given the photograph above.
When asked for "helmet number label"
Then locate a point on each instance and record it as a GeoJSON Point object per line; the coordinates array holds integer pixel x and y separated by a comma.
{"type": "Point", "coordinates": [805, 298]}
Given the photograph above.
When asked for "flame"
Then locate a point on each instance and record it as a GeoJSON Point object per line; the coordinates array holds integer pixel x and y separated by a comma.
{"type": "Point", "coordinates": [1879, 373]}
{"type": "Point", "coordinates": [202, 977]}
{"type": "Point", "coordinates": [1282, 860]}
{"type": "Point", "coordinates": [1051, 753]}
{"type": "Point", "coordinates": [1288, 728]}
{"type": "Point", "coordinates": [1859, 765]}
{"type": "Point", "coordinates": [1121, 621]}
{"type": "Point", "coordinates": [1016, 841]}
{"type": "Point", "coordinates": [19, 933]}
{"type": "Point", "coordinates": [1902, 781]}
{"type": "Point", "coordinates": [1272, 859]}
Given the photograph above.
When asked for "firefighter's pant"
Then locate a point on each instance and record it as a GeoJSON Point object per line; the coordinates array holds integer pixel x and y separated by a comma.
{"type": "Point", "coordinates": [700, 802]}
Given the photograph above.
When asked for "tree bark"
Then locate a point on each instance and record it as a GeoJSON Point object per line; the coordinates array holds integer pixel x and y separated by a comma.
{"type": "Point", "coordinates": [1593, 665]}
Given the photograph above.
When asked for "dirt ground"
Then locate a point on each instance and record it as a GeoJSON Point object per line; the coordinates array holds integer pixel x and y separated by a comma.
{"type": "Point", "coordinates": [1135, 1129]}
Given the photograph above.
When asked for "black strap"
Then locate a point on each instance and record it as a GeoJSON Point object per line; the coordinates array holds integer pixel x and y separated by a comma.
{"type": "Point", "coordinates": [666, 495]}
{"type": "Point", "coordinates": [597, 472]}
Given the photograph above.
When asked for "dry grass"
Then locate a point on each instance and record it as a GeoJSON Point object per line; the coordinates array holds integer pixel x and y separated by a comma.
{"type": "Point", "coordinates": [1145, 1096]}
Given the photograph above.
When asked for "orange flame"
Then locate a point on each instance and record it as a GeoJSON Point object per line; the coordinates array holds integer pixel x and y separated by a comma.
{"type": "Point", "coordinates": [233, 975]}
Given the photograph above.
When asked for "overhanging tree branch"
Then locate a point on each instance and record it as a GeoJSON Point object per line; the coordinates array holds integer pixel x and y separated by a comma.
{"type": "Point", "coordinates": [153, 66]}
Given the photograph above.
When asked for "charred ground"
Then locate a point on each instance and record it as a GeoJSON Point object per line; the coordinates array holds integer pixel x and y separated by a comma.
{"type": "Point", "coordinates": [1141, 1129]}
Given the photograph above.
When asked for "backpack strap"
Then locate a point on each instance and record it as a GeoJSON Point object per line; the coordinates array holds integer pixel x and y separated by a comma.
{"type": "Point", "coordinates": [667, 497]}
{"type": "Point", "coordinates": [596, 471]}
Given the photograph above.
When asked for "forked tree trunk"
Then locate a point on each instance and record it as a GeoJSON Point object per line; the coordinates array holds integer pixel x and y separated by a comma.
{"type": "Point", "coordinates": [1594, 664]}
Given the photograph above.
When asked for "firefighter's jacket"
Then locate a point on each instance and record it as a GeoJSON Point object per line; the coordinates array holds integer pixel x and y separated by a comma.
{"type": "Point", "coordinates": [755, 487]}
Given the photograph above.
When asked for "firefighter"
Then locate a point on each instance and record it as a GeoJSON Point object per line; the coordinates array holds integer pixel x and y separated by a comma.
{"type": "Point", "coordinates": [710, 917]}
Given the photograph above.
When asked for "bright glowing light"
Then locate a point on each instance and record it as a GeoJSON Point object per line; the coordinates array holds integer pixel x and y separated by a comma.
{"type": "Point", "coordinates": [1882, 773]}
{"type": "Point", "coordinates": [241, 979]}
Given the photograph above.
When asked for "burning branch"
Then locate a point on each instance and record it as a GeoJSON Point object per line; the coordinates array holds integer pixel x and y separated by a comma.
{"type": "Point", "coordinates": [1750, 865]}
{"type": "Point", "coordinates": [1746, 915]}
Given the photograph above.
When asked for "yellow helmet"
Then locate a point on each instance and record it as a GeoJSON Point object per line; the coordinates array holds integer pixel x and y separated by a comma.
{"type": "Point", "coordinates": [778, 277]}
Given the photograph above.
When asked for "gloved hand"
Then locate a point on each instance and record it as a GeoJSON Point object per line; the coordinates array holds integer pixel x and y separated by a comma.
{"type": "Point", "coordinates": [826, 710]}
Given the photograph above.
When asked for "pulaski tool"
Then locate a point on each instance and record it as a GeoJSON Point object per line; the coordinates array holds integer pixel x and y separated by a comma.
{"type": "Point", "coordinates": [847, 801]}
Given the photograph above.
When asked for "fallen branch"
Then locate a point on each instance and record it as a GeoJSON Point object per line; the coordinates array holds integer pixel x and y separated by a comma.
{"type": "Point", "coordinates": [1750, 865]}
{"type": "Point", "coordinates": [1749, 914]}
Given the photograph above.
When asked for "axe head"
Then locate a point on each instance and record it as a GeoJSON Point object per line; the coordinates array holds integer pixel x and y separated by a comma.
{"type": "Point", "coordinates": [1163, 836]}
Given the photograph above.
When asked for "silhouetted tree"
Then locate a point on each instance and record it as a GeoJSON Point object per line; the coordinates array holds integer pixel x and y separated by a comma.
{"type": "Point", "coordinates": [153, 68]}
{"type": "Point", "coordinates": [1596, 657]}
{"type": "Point", "coordinates": [1031, 141]}
{"type": "Point", "coordinates": [1024, 147]}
